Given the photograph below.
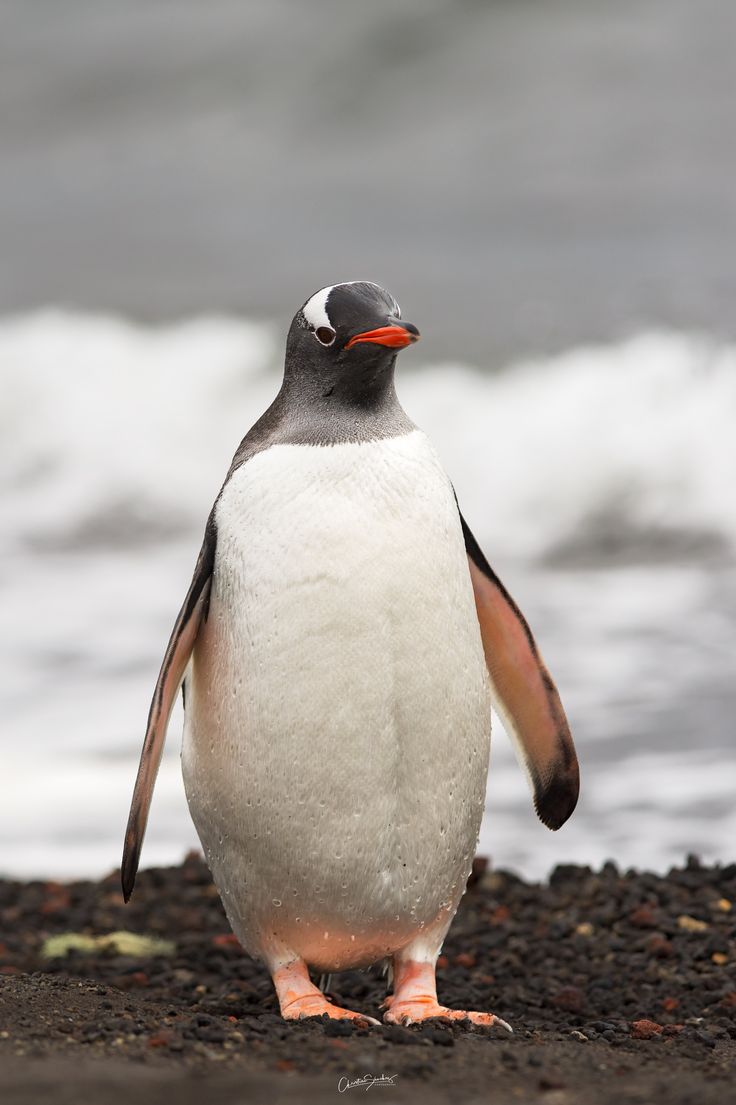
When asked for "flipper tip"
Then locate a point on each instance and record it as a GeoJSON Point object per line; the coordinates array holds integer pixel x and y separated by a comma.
{"type": "Point", "coordinates": [555, 800]}
{"type": "Point", "coordinates": [128, 872]}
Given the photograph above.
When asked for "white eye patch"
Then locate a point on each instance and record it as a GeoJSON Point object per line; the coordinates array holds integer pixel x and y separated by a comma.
{"type": "Point", "coordinates": [315, 309]}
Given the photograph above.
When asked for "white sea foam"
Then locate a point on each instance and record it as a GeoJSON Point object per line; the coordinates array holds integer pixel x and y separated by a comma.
{"type": "Point", "coordinates": [101, 418]}
{"type": "Point", "coordinates": [637, 436]}
{"type": "Point", "coordinates": [114, 441]}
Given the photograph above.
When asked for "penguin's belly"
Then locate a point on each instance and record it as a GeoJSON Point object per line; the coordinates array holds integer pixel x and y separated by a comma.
{"type": "Point", "coordinates": [338, 713]}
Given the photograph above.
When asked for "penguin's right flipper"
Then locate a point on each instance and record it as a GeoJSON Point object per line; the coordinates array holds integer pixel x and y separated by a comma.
{"type": "Point", "coordinates": [523, 693]}
{"type": "Point", "coordinates": [183, 637]}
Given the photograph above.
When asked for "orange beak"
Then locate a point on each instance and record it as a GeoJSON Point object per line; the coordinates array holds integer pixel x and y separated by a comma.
{"type": "Point", "coordinates": [395, 337]}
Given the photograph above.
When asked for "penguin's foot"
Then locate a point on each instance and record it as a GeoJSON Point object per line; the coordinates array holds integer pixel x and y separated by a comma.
{"type": "Point", "coordinates": [415, 999]}
{"type": "Point", "coordinates": [299, 998]}
{"type": "Point", "coordinates": [317, 1006]}
{"type": "Point", "coordinates": [425, 1008]}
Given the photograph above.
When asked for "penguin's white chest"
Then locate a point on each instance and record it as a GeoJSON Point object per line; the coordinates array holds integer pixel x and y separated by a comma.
{"type": "Point", "coordinates": [338, 712]}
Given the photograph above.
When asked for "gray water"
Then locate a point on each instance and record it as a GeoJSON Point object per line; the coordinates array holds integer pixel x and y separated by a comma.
{"type": "Point", "coordinates": [524, 175]}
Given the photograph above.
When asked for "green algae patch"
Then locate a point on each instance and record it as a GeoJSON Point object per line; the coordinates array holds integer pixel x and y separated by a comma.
{"type": "Point", "coordinates": [115, 943]}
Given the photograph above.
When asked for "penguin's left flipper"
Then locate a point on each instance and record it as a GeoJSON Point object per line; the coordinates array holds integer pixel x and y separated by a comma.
{"type": "Point", "coordinates": [179, 649]}
{"type": "Point", "coordinates": [523, 693]}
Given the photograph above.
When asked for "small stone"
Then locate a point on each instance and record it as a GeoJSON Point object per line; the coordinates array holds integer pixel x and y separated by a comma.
{"type": "Point", "coordinates": [58, 899]}
{"type": "Point", "coordinates": [500, 915]}
{"type": "Point", "coordinates": [670, 1004]}
{"type": "Point", "coordinates": [465, 959]}
{"type": "Point", "coordinates": [585, 929]}
{"type": "Point", "coordinates": [226, 940]}
{"type": "Point", "coordinates": [439, 1036]}
{"type": "Point", "coordinates": [397, 1034]}
{"type": "Point", "coordinates": [211, 1034]}
{"type": "Point", "coordinates": [569, 998]}
{"type": "Point", "coordinates": [645, 1030]}
{"type": "Point", "coordinates": [720, 959]}
{"type": "Point", "coordinates": [339, 1027]}
{"type": "Point", "coordinates": [691, 924]}
{"type": "Point", "coordinates": [568, 872]}
{"type": "Point", "coordinates": [479, 868]}
{"type": "Point", "coordinates": [161, 1039]}
{"type": "Point", "coordinates": [660, 948]}
{"type": "Point", "coordinates": [643, 918]}
{"type": "Point", "coordinates": [576, 1034]}
{"type": "Point", "coordinates": [550, 1082]}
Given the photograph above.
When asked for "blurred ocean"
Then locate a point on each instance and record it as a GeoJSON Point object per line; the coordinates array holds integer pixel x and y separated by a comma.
{"type": "Point", "coordinates": [522, 175]}
{"type": "Point", "coordinates": [548, 189]}
{"type": "Point", "coordinates": [600, 483]}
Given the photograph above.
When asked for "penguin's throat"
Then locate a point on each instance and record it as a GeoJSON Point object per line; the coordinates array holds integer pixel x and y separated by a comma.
{"type": "Point", "coordinates": [329, 414]}
{"type": "Point", "coordinates": [365, 392]}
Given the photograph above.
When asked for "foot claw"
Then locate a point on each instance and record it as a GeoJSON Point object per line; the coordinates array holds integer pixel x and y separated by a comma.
{"type": "Point", "coordinates": [418, 1009]}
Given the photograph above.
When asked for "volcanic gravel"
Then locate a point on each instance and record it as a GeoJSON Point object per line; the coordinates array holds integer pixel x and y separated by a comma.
{"type": "Point", "coordinates": [620, 987]}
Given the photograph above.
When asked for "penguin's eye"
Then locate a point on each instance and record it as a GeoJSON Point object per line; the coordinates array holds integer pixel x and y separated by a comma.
{"type": "Point", "coordinates": [324, 335]}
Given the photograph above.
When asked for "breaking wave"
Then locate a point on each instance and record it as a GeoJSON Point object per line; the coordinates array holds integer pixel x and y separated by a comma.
{"type": "Point", "coordinates": [115, 438]}
{"type": "Point", "coordinates": [114, 433]}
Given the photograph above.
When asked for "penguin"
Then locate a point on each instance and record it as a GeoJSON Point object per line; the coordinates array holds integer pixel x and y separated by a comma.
{"type": "Point", "coordinates": [341, 645]}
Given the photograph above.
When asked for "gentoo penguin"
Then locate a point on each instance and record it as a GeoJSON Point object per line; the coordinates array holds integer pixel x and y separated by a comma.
{"type": "Point", "coordinates": [341, 644]}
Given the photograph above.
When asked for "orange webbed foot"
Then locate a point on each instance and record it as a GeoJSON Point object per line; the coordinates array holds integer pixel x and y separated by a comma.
{"type": "Point", "coordinates": [299, 998]}
{"type": "Point", "coordinates": [415, 998]}
{"type": "Point", "coordinates": [316, 1005]}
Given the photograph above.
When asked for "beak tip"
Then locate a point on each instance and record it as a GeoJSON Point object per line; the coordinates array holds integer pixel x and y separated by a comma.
{"type": "Point", "coordinates": [395, 336]}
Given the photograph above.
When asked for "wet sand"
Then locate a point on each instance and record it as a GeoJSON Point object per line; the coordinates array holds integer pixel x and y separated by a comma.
{"type": "Point", "coordinates": [620, 988]}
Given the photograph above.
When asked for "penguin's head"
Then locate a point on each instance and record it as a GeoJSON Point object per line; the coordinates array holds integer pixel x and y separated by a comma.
{"type": "Point", "coordinates": [345, 338]}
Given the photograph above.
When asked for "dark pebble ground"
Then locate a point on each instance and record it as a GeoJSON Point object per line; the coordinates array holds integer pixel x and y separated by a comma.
{"type": "Point", "coordinates": [620, 988]}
